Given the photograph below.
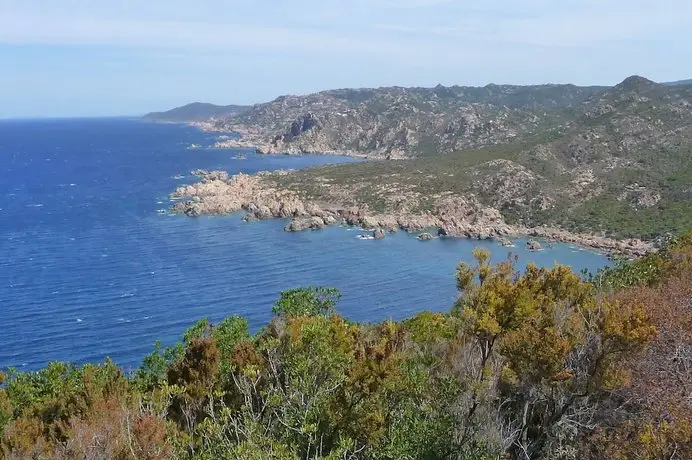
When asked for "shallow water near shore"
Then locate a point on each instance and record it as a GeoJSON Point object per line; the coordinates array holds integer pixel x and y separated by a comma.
{"type": "Point", "coordinates": [93, 265]}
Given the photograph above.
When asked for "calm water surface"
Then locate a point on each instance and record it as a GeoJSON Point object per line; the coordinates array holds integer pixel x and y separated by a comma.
{"type": "Point", "coordinates": [90, 265]}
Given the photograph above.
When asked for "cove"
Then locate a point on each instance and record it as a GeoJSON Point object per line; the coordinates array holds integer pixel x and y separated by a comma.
{"type": "Point", "coordinates": [94, 266]}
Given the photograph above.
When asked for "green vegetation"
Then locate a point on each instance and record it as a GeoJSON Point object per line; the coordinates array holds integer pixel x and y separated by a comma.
{"type": "Point", "coordinates": [535, 365]}
{"type": "Point", "coordinates": [618, 163]}
{"type": "Point", "coordinates": [650, 270]}
{"type": "Point", "coordinates": [620, 220]}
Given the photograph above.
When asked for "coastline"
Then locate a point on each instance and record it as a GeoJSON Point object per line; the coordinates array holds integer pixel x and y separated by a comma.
{"type": "Point", "coordinates": [218, 193]}
{"type": "Point", "coordinates": [256, 139]}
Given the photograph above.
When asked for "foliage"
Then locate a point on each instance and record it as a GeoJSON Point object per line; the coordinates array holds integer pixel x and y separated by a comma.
{"type": "Point", "coordinates": [617, 165]}
{"type": "Point", "coordinates": [534, 365]}
{"type": "Point", "coordinates": [307, 302]}
{"type": "Point", "coordinates": [675, 257]}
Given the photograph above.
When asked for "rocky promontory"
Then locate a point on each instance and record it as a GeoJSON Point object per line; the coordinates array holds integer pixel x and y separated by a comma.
{"type": "Point", "coordinates": [218, 193]}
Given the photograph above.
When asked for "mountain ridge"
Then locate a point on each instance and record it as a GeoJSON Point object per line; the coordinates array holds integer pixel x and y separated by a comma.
{"type": "Point", "coordinates": [396, 122]}
{"type": "Point", "coordinates": [195, 111]}
{"type": "Point", "coordinates": [618, 163]}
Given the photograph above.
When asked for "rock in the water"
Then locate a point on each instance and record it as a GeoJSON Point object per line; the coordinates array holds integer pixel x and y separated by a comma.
{"type": "Point", "coordinates": [378, 234]}
{"type": "Point", "coordinates": [442, 232]}
{"type": "Point", "coordinates": [533, 245]}
{"type": "Point", "coordinates": [296, 225]}
{"type": "Point", "coordinates": [300, 224]}
{"type": "Point", "coordinates": [425, 237]}
{"type": "Point", "coordinates": [250, 218]}
{"type": "Point", "coordinates": [506, 242]}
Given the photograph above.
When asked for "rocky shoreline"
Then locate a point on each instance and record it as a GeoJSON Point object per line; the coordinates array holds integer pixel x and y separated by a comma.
{"type": "Point", "coordinates": [218, 193]}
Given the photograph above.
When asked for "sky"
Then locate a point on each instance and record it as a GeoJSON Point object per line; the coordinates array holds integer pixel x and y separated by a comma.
{"type": "Point", "coordinates": [71, 58]}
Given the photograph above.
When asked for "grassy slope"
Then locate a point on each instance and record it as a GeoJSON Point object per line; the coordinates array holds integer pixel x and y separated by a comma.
{"type": "Point", "coordinates": [432, 176]}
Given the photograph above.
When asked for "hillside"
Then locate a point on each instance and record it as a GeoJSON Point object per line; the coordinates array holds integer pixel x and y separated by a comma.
{"type": "Point", "coordinates": [197, 111]}
{"type": "Point", "coordinates": [403, 122]}
{"type": "Point", "coordinates": [623, 166]}
{"type": "Point", "coordinates": [618, 164]}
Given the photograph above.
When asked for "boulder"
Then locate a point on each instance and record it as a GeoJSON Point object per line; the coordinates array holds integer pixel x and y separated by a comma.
{"type": "Point", "coordinates": [314, 210]}
{"type": "Point", "coordinates": [378, 234]}
{"type": "Point", "coordinates": [506, 242]}
{"type": "Point", "coordinates": [316, 223]}
{"type": "Point", "coordinates": [533, 245]}
{"type": "Point", "coordinates": [484, 233]}
{"type": "Point", "coordinates": [442, 232]}
{"type": "Point", "coordinates": [192, 212]}
{"type": "Point", "coordinates": [263, 212]}
{"type": "Point", "coordinates": [329, 219]}
{"type": "Point", "coordinates": [369, 222]}
{"type": "Point", "coordinates": [352, 219]}
{"type": "Point", "coordinates": [293, 208]}
{"type": "Point", "coordinates": [274, 208]}
{"type": "Point", "coordinates": [250, 218]}
{"type": "Point", "coordinates": [300, 224]}
{"type": "Point", "coordinates": [425, 237]}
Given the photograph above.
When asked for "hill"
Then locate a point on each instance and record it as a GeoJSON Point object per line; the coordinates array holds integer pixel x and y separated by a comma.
{"type": "Point", "coordinates": [622, 166]}
{"type": "Point", "coordinates": [402, 122]}
{"type": "Point", "coordinates": [197, 111]}
{"type": "Point", "coordinates": [617, 164]}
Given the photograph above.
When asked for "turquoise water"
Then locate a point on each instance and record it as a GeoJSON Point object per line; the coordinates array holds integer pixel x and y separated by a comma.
{"type": "Point", "coordinates": [90, 268]}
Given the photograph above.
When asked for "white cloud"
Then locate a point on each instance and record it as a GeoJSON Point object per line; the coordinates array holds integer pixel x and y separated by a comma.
{"type": "Point", "coordinates": [253, 50]}
{"type": "Point", "coordinates": [337, 26]}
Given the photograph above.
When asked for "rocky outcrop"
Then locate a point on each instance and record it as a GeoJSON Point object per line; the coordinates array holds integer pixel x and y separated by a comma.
{"type": "Point", "coordinates": [305, 223]}
{"type": "Point", "coordinates": [627, 246]}
{"type": "Point", "coordinates": [261, 198]}
{"type": "Point", "coordinates": [397, 122]}
{"type": "Point", "coordinates": [506, 242]}
{"type": "Point", "coordinates": [425, 237]}
{"type": "Point", "coordinates": [533, 245]}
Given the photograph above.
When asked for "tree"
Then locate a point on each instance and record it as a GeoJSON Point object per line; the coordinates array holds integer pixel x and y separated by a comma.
{"type": "Point", "coordinates": [557, 346]}
{"type": "Point", "coordinates": [307, 302]}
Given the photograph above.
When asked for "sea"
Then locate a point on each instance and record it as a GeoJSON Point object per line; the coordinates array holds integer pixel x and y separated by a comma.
{"type": "Point", "coordinates": [93, 264]}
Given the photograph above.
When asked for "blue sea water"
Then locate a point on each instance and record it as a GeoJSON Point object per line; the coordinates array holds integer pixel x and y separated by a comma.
{"type": "Point", "coordinates": [90, 265]}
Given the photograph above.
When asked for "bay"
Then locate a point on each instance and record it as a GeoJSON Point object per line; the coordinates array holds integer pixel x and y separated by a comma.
{"type": "Point", "coordinates": [92, 265]}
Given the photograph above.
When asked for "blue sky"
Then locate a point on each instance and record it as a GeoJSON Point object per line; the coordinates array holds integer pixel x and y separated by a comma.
{"type": "Point", "coordinates": [127, 57]}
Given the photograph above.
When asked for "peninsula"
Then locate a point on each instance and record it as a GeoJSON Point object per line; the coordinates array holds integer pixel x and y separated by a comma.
{"type": "Point", "coordinates": [609, 168]}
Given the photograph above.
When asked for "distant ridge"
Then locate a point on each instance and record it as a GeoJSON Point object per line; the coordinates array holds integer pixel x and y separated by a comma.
{"type": "Point", "coordinates": [197, 111]}
{"type": "Point", "coordinates": [679, 83]}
